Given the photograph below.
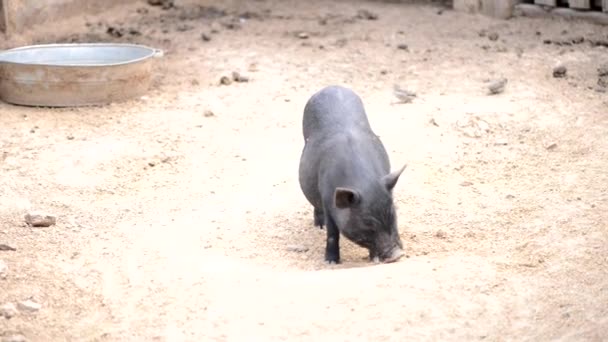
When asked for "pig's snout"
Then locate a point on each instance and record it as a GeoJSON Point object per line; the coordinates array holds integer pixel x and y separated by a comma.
{"type": "Point", "coordinates": [393, 255]}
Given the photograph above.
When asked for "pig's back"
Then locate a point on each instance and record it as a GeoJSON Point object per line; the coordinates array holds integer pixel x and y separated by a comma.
{"type": "Point", "coordinates": [334, 109]}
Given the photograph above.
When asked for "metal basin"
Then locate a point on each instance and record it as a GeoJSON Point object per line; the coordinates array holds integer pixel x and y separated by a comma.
{"type": "Point", "coordinates": [60, 75]}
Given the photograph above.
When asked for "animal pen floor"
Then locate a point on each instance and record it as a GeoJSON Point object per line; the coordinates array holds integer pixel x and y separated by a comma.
{"type": "Point", "coordinates": [180, 217]}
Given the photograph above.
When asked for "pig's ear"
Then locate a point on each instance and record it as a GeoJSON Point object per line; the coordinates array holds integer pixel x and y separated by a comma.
{"type": "Point", "coordinates": [345, 198]}
{"type": "Point", "coordinates": [391, 179]}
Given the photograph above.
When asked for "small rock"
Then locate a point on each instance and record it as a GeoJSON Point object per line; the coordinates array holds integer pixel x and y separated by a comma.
{"type": "Point", "coordinates": [403, 47]}
{"type": "Point", "coordinates": [225, 80]}
{"type": "Point", "coordinates": [498, 86]}
{"type": "Point", "coordinates": [29, 306]}
{"type": "Point", "coordinates": [14, 338]}
{"type": "Point", "coordinates": [4, 247]}
{"type": "Point", "coordinates": [441, 234]}
{"type": "Point", "coordinates": [40, 219]}
{"type": "Point", "coordinates": [3, 270]}
{"type": "Point", "coordinates": [509, 196]}
{"type": "Point", "coordinates": [602, 70]}
{"type": "Point", "coordinates": [205, 37]}
{"type": "Point", "coordinates": [404, 95]}
{"type": "Point", "coordinates": [164, 4]}
{"type": "Point", "coordinates": [297, 248]}
{"type": "Point", "coordinates": [115, 32]}
{"type": "Point", "coordinates": [367, 15]}
{"type": "Point", "coordinates": [303, 35]}
{"type": "Point", "coordinates": [578, 40]}
{"type": "Point", "coordinates": [493, 36]}
{"type": "Point", "coordinates": [8, 310]}
{"type": "Point", "coordinates": [70, 137]}
{"type": "Point", "coordinates": [466, 183]}
{"type": "Point", "coordinates": [151, 164]}
{"type": "Point", "coordinates": [551, 146]}
{"type": "Point", "coordinates": [560, 71]}
{"type": "Point", "coordinates": [501, 142]}
{"type": "Point", "coordinates": [208, 113]}
{"type": "Point", "coordinates": [433, 122]}
{"type": "Point", "coordinates": [239, 78]}
{"type": "Point", "coordinates": [184, 28]}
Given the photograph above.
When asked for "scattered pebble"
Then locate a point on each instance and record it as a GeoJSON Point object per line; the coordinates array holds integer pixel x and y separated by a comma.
{"type": "Point", "coordinates": [493, 36]}
{"type": "Point", "coordinates": [403, 47]}
{"type": "Point", "coordinates": [433, 122]}
{"type": "Point", "coordinates": [225, 80]}
{"type": "Point", "coordinates": [559, 71]}
{"type": "Point", "coordinates": [239, 78]}
{"type": "Point", "coordinates": [509, 196]}
{"type": "Point", "coordinates": [29, 306]}
{"type": "Point", "coordinates": [501, 142]}
{"type": "Point", "coordinates": [551, 146]}
{"type": "Point", "coordinates": [205, 37]}
{"type": "Point", "coordinates": [115, 32]}
{"type": "Point", "coordinates": [14, 338]}
{"type": "Point", "coordinates": [297, 248]}
{"type": "Point", "coordinates": [602, 73]}
{"type": "Point", "coordinates": [441, 234]}
{"type": "Point", "coordinates": [303, 35]}
{"type": "Point", "coordinates": [40, 219]}
{"type": "Point", "coordinates": [8, 310]}
{"type": "Point", "coordinates": [466, 183]}
{"type": "Point", "coordinates": [498, 86]}
{"type": "Point", "coordinates": [164, 4]}
{"type": "Point", "coordinates": [232, 25]}
{"type": "Point", "coordinates": [184, 27]}
{"type": "Point", "coordinates": [4, 247]}
{"type": "Point", "coordinates": [3, 270]}
{"type": "Point", "coordinates": [367, 15]}
{"type": "Point", "coordinates": [70, 137]}
{"type": "Point", "coordinates": [403, 95]}
{"type": "Point", "coordinates": [208, 113]}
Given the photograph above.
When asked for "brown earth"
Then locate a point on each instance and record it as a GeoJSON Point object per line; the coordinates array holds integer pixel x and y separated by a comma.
{"type": "Point", "coordinates": [174, 225]}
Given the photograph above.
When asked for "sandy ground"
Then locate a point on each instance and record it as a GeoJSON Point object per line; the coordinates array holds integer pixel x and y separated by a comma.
{"type": "Point", "coordinates": [174, 225]}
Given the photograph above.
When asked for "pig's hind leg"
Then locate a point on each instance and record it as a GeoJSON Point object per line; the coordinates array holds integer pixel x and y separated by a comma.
{"type": "Point", "coordinates": [319, 218]}
{"type": "Point", "coordinates": [332, 248]}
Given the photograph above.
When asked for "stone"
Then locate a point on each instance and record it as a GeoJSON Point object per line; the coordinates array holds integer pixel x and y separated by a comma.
{"type": "Point", "coordinates": [8, 310]}
{"type": "Point", "coordinates": [40, 219]}
{"type": "Point", "coordinates": [14, 338]}
{"type": "Point", "coordinates": [29, 306]}
{"type": "Point", "coordinates": [297, 249]}
{"type": "Point", "coordinates": [559, 71]}
{"type": "Point", "coordinates": [3, 270]}
{"type": "Point", "coordinates": [497, 86]}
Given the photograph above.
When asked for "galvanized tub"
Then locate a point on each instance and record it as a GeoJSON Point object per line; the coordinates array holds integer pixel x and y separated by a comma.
{"type": "Point", "coordinates": [61, 75]}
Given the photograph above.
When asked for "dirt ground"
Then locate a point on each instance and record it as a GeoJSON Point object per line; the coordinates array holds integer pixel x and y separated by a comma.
{"type": "Point", "coordinates": [176, 225]}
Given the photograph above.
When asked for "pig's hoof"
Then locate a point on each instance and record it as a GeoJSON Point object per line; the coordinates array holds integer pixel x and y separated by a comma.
{"type": "Point", "coordinates": [332, 259]}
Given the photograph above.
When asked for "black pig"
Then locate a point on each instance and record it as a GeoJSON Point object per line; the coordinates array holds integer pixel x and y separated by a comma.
{"type": "Point", "coordinates": [345, 174]}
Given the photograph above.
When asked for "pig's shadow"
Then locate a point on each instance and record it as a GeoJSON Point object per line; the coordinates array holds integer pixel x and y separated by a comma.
{"type": "Point", "coordinates": [302, 245]}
